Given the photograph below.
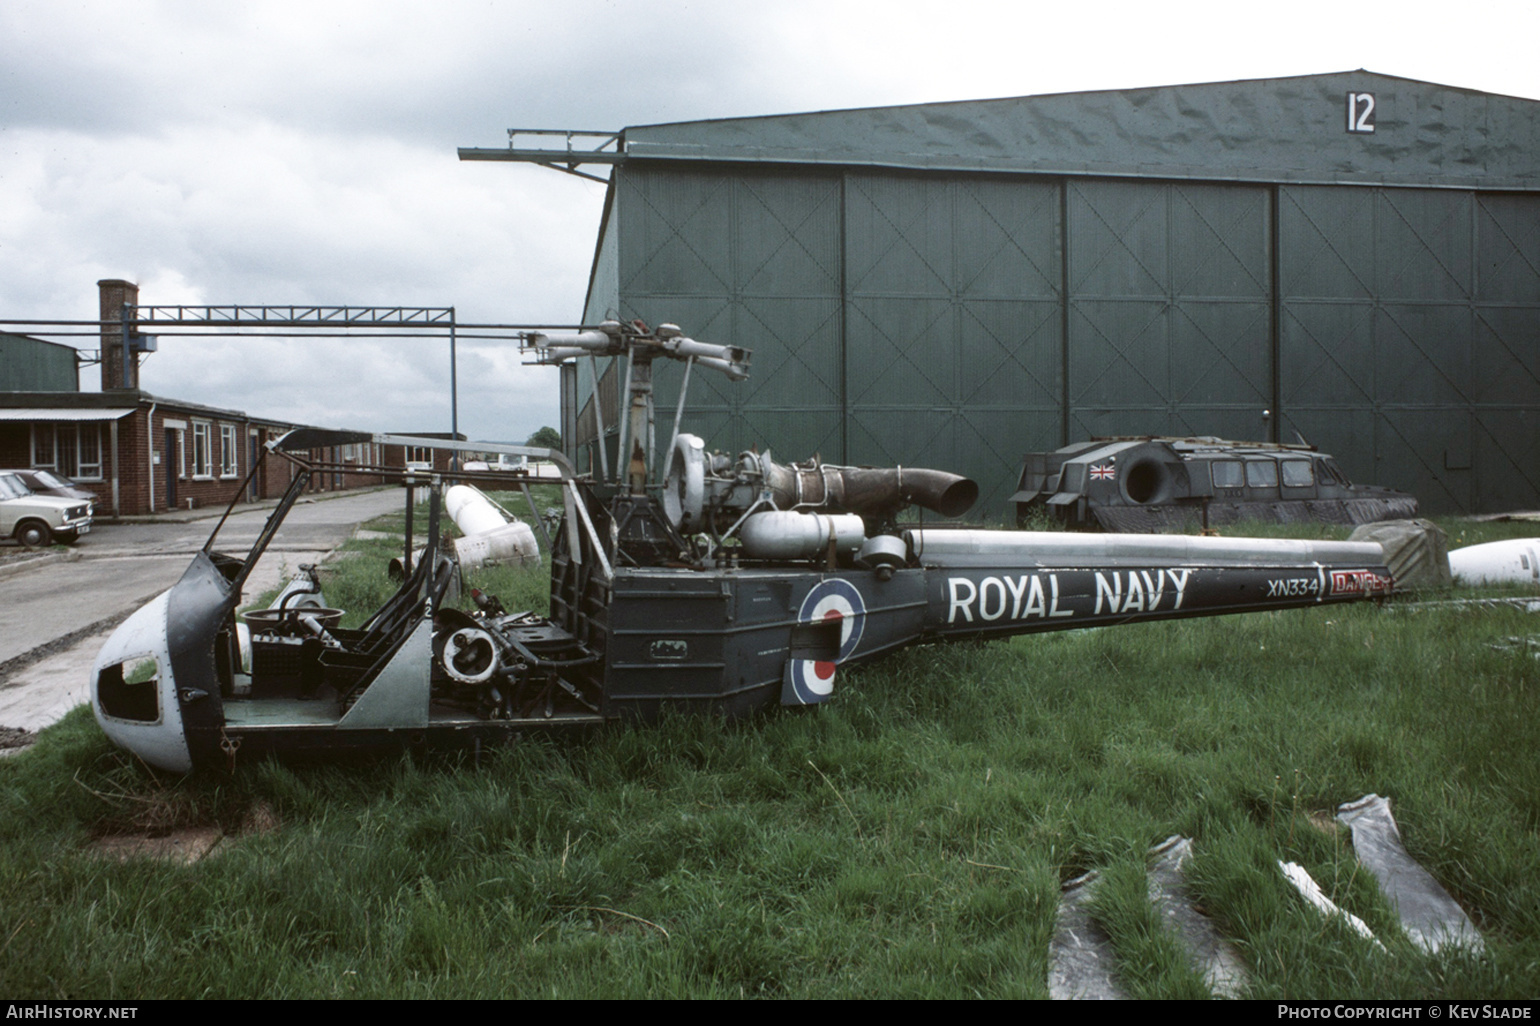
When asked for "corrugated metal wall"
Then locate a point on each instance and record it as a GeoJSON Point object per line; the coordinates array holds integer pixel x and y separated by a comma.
{"type": "Point", "coordinates": [1410, 331]}
{"type": "Point", "coordinates": [959, 320]}
{"type": "Point", "coordinates": [732, 258]}
{"type": "Point", "coordinates": [1170, 300]}
{"type": "Point", "coordinates": [953, 332]}
{"type": "Point", "coordinates": [32, 365]}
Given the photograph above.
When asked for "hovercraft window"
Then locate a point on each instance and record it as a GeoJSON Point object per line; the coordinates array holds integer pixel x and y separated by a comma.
{"type": "Point", "coordinates": [1261, 474]}
{"type": "Point", "coordinates": [1228, 474]}
{"type": "Point", "coordinates": [1297, 474]}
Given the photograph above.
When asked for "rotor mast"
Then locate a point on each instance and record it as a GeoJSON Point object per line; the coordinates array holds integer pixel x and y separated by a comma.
{"type": "Point", "coordinates": [640, 346]}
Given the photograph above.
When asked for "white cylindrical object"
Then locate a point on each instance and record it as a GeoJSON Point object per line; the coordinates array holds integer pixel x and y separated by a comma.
{"type": "Point", "coordinates": [786, 534]}
{"type": "Point", "coordinates": [489, 538]}
{"type": "Point", "coordinates": [509, 543]}
{"type": "Point", "coordinates": [556, 354]}
{"type": "Point", "coordinates": [1515, 561]}
{"type": "Point", "coordinates": [735, 371]}
{"type": "Point", "coordinates": [707, 350]}
{"type": "Point", "coordinates": [472, 512]}
{"type": "Point", "coordinates": [1065, 548]}
{"type": "Point", "coordinates": [587, 341]}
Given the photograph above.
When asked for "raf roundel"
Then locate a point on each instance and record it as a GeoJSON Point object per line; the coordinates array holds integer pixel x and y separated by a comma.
{"type": "Point", "coordinates": [811, 681]}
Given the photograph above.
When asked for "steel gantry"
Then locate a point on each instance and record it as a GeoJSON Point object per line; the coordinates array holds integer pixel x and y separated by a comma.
{"type": "Point", "coordinates": [140, 326]}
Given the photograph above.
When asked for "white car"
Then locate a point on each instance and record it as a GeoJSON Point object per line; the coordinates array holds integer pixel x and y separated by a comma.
{"type": "Point", "coordinates": [520, 466]}
{"type": "Point", "coordinates": [38, 520]}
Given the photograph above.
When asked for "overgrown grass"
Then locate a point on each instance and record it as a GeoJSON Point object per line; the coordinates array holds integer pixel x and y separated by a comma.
{"type": "Point", "coordinates": [908, 839]}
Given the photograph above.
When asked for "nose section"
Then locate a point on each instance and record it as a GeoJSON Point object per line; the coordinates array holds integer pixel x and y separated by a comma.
{"type": "Point", "coordinates": [133, 691]}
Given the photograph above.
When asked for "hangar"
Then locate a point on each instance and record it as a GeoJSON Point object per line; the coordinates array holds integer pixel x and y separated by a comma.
{"type": "Point", "coordinates": [1351, 258]}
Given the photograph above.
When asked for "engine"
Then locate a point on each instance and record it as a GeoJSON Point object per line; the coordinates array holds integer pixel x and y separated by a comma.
{"type": "Point", "coordinates": [801, 510]}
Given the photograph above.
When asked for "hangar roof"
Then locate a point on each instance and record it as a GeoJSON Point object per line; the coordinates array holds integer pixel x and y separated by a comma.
{"type": "Point", "coordinates": [1293, 129]}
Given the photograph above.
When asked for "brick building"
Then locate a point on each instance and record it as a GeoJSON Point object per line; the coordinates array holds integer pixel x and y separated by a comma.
{"type": "Point", "coordinates": [139, 452]}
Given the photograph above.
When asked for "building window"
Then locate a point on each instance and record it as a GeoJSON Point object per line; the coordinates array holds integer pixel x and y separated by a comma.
{"type": "Point", "coordinates": [43, 448]}
{"type": "Point", "coordinates": [229, 454]}
{"type": "Point", "coordinates": [203, 456]}
{"type": "Point", "coordinates": [88, 452]}
{"type": "Point", "coordinates": [69, 450]}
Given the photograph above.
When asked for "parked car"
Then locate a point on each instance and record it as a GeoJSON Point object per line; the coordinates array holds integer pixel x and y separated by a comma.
{"type": "Point", "coordinates": [504, 462]}
{"type": "Point", "coordinates": [46, 482]}
{"type": "Point", "coordinates": [37, 520]}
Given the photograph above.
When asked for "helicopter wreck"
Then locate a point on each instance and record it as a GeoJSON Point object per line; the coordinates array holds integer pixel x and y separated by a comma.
{"type": "Point", "coordinates": [705, 583]}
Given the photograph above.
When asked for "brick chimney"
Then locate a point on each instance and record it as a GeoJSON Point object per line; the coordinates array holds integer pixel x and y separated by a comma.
{"type": "Point", "coordinates": [115, 372]}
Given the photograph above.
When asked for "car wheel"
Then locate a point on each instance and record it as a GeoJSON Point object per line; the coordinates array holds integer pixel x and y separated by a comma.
{"type": "Point", "coordinates": [34, 534]}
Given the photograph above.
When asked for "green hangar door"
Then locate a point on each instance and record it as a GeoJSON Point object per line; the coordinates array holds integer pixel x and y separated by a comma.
{"type": "Point", "coordinates": [747, 259]}
{"type": "Point", "coordinates": [953, 323]}
{"type": "Point", "coordinates": [1407, 338]}
{"type": "Point", "coordinates": [1170, 309]}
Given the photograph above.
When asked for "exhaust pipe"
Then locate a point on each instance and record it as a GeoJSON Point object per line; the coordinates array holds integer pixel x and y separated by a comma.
{"type": "Point", "coordinates": [870, 492]}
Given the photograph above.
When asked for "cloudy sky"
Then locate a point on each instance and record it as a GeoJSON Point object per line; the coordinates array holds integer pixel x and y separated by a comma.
{"type": "Point", "coordinates": [304, 152]}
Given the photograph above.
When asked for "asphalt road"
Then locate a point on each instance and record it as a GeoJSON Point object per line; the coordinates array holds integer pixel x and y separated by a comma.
{"type": "Point", "coordinates": [56, 613]}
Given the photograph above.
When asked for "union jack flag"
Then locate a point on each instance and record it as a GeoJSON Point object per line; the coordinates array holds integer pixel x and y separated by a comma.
{"type": "Point", "coordinates": [1102, 471]}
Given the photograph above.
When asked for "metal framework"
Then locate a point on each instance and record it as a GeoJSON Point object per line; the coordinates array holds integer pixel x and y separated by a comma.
{"type": "Point", "coordinates": [284, 320]}
{"type": "Point", "coordinates": [294, 316]}
{"type": "Point", "coordinates": [291, 316]}
{"type": "Point", "coordinates": [608, 150]}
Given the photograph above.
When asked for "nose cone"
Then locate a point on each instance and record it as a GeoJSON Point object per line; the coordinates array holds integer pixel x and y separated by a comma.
{"type": "Point", "coordinates": [133, 694]}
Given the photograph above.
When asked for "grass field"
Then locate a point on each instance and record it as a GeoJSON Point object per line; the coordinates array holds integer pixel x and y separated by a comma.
{"type": "Point", "coordinates": [908, 839]}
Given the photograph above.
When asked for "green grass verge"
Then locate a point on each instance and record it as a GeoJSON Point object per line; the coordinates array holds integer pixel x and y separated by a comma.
{"type": "Point", "coordinates": [908, 839]}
